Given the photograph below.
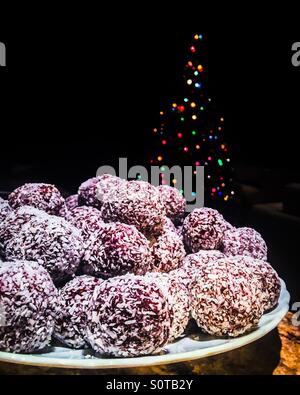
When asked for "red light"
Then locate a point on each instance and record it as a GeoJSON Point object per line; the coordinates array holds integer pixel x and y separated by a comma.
{"type": "Point", "coordinates": [181, 108]}
{"type": "Point", "coordinates": [164, 142]}
{"type": "Point", "coordinates": [193, 49]}
{"type": "Point", "coordinates": [179, 135]}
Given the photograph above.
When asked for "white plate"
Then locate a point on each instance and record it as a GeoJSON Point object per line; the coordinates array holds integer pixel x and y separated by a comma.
{"type": "Point", "coordinates": [183, 350]}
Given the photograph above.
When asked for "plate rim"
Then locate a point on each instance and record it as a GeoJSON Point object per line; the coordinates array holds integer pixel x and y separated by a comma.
{"type": "Point", "coordinates": [153, 360]}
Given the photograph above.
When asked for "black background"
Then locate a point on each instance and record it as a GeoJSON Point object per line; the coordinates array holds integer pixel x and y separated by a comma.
{"type": "Point", "coordinates": [82, 89]}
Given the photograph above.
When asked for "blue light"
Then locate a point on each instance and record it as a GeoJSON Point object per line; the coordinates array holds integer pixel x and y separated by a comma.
{"type": "Point", "coordinates": [197, 85]}
{"type": "Point", "coordinates": [193, 193]}
{"type": "Point", "coordinates": [220, 193]}
{"type": "Point", "coordinates": [210, 137]}
{"type": "Point", "coordinates": [200, 36]}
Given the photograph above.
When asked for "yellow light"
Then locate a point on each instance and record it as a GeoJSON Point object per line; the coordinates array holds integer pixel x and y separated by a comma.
{"type": "Point", "coordinates": [189, 82]}
{"type": "Point", "coordinates": [226, 198]}
{"type": "Point", "coordinates": [154, 130]}
{"type": "Point", "coordinates": [222, 119]}
{"type": "Point", "coordinates": [197, 146]}
{"type": "Point", "coordinates": [190, 63]}
{"type": "Point", "coordinates": [200, 67]}
{"type": "Point", "coordinates": [159, 158]}
{"type": "Point", "coordinates": [174, 105]}
{"type": "Point", "coordinates": [194, 117]}
{"type": "Point", "coordinates": [174, 181]}
{"type": "Point", "coordinates": [161, 113]}
{"type": "Point", "coordinates": [196, 36]}
{"type": "Point", "coordinates": [193, 104]}
{"type": "Point", "coordinates": [222, 146]}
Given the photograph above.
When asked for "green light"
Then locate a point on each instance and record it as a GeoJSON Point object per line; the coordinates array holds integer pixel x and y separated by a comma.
{"type": "Point", "coordinates": [182, 119]}
{"type": "Point", "coordinates": [186, 99]}
{"type": "Point", "coordinates": [163, 168]}
{"type": "Point", "coordinates": [220, 162]}
{"type": "Point", "coordinates": [181, 191]}
{"type": "Point", "coordinates": [139, 177]}
{"type": "Point", "coordinates": [196, 73]}
{"type": "Point", "coordinates": [194, 132]}
{"type": "Point", "coordinates": [201, 108]}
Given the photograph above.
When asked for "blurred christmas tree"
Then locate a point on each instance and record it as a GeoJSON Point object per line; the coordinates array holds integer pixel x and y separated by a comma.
{"type": "Point", "coordinates": [191, 132]}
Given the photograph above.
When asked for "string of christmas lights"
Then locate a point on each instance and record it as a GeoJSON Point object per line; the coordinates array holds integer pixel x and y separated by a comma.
{"type": "Point", "coordinates": [192, 133]}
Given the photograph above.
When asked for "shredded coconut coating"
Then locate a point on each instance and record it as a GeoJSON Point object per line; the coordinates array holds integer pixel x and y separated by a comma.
{"type": "Point", "coordinates": [225, 301]}
{"type": "Point", "coordinates": [72, 202]}
{"type": "Point", "coordinates": [87, 219]}
{"type": "Point", "coordinates": [129, 316]}
{"type": "Point", "coordinates": [267, 278]}
{"type": "Point", "coordinates": [168, 252]}
{"type": "Point", "coordinates": [27, 298]}
{"type": "Point", "coordinates": [244, 241]}
{"type": "Point", "coordinates": [183, 276]}
{"type": "Point", "coordinates": [178, 296]}
{"type": "Point", "coordinates": [52, 242]}
{"type": "Point", "coordinates": [93, 191]}
{"type": "Point", "coordinates": [45, 197]}
{"type": "Point", "coordinates": [165, 225]}
{"type": "Point", "coordinates": [135, 203]}
{"type": "Point", "coordinates": [173, 202]}
{"type": "Point", "coordinates": [200, 258]}
{"type": "Point", "coordinates": [116, 249]}
{"type": "Point", "coordinates": [14, 222]}
{"type": "Point", "coordinates": [178, 230]}
{"type": "Point", "coordinates": [203, 229]}
{"type": "Point", "coordinates": [73, 303]}
{"type": "Point", "coordinates": [5, 209]}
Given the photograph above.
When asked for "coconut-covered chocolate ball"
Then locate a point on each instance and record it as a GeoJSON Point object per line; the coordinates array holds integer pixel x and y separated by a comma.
{"type": "Point", "coordinates": [266, 277]}
{"type": "Point", "coordinates": [73, 302]}
{"type": "Point", "coordinates": [52, 242]}
{"type": "Point", "coordinates": [173, 202]}
{"type": "Point", "coordinates": [87, 219]}
{"type": "Point", "coordinates": [244, 241]}
{"type": "Point", "coordinates": [27, 307]}
{"type": "Point", "coordinates": [129, 316]}
{"type": "Point", "coordinates": [136, 203]}
{"type": "Point", "coordinates": [178, 296]}
{"type": "Point", "coordinates": [225, 301]}
{"type": "Point", "coordinates": [72, 202]}
{"type": "Point", "coordinates": [200, 258]}
{"type": "Point", "coordinates": [5, 209]}
{"type": "Point", "coordinates": [45, 197]}
{"type": "Point", "coordinates": [116, 249]}
{"type": "Point", "coordinates": [93, 191]}
{"type": "Point", "coordinates": [203, 229]}
{"type": "Point", "coordinates": [168, 252]}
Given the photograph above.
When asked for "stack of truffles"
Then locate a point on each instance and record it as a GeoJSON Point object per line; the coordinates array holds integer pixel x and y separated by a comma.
{"type": "Point", "coordinates": [121, 268]}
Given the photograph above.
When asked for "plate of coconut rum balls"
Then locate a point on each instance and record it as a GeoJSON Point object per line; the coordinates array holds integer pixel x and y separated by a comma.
{"type": "Point", "coordinates": [120, 275]}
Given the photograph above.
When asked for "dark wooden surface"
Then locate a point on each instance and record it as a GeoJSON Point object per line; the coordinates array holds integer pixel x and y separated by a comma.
{"type": "Point", "coordinates": [277, 353]}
